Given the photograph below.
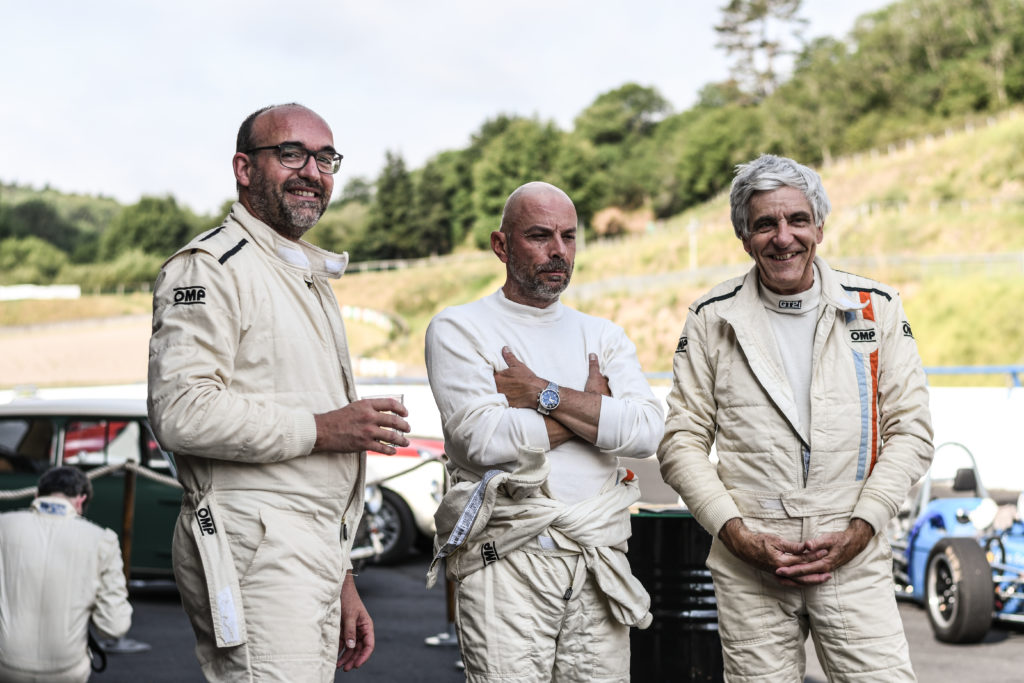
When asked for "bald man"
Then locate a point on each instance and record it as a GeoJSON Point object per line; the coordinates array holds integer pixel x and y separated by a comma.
{"type": "Point", "coordinates": [538, 401]}
{"type": "Point", "coordinates": [251, 387]}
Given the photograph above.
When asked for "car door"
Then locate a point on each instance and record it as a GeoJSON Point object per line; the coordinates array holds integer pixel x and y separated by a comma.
{"type": "Point", "coordinates": [95, 443]}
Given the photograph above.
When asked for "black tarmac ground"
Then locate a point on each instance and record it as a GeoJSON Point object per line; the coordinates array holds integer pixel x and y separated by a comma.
{"type": "Point", "coordinates": [405, 614]}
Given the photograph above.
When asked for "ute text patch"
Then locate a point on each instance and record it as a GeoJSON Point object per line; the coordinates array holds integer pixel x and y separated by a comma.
{"type": "Point", "coordinates": [681, 347]}
{"type": "Point", "coordinates": [489, 553]}
{"type": "Point", "coordinates": [186, 296]}
{"type": "Point", "coordinates": [206, 525]}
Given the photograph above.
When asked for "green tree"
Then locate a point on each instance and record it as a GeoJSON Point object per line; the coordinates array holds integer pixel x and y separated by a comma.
{"type": "Point", "coordinates": [29, 260]}
{"type": "Point", "coordinates": [154, 225]}
{"type": "Point", "coordinates": [525, 151]}
{"type": "Point", "coordinates": [391, 232]}
{"type": "Point", "coordinates": [40, 218]}
{"type": "Point", "coordinates": [749, 33]}
{"type": "Point", "coordinates": [619, 124]}
{"type": "Point", "coordinates": [432, 214]}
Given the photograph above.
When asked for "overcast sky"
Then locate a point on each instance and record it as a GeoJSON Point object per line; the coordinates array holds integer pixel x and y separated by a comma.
{"type": "Point", "coordinates": [130, 98]}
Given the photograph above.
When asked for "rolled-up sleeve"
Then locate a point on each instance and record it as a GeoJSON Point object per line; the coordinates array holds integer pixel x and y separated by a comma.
{"type": "Point", "coordinates": [631, 421]}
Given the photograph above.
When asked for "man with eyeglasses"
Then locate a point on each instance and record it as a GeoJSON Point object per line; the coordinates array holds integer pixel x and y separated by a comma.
{"type": "Point", "coordinates": [251, 387]}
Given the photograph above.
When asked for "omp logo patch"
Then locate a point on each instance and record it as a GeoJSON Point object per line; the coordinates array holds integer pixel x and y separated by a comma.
{"type": "Point", "coordinates": [907, 332]}
{"type": "Point", "coordinates": [489, 553]}
{"type": "Point", "coordinates": [862, 336]}
{"type": "Point", "coordinates": [681, 346]}
{"type": "Point", "coordinates": [186, 296]}
{"type": "Point", "coordinates": [205, 519]}
{"type": "Point", "coordinates": [793, 305]}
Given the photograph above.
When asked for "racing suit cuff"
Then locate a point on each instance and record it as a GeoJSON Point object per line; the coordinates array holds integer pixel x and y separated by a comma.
{"type": "Point", "coordinates": [305, 432]}
{"type": "Point", "coordinates": [609, 425]}
{"type": "Point", "coordinates": [717, 512]}
{"type": "Point", "coordinates": [872, 511]}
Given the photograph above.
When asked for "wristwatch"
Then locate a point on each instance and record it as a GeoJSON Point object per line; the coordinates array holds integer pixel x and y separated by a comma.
{"type": "Point", "coordinates": [548, 399]}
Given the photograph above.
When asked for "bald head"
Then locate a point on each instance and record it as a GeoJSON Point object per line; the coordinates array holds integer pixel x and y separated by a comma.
{"type": "Point", "coordinates": [523, 200]}
{"type": "Point", "coordinates": [537, 243]}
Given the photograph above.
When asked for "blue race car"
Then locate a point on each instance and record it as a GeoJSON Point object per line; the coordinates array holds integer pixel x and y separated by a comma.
{"type": "Point", "coordinates": [958, 553]}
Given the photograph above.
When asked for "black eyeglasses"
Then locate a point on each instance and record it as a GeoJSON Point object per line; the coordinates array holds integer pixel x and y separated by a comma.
{"type": "Point", "coordinates": [295, 156]}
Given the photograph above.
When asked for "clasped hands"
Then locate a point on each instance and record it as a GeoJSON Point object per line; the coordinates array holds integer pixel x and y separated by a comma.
{"type": "Point", "coordinates": [806, 563]}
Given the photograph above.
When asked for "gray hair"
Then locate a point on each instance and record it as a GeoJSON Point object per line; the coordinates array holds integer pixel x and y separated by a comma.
{"type": "Point", "coordinates": [767, 173]}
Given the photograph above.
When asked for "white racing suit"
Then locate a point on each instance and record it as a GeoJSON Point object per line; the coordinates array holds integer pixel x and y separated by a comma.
{"type": "Point", "coordinates": [248, 345]}
{"type": "Point", "coordinates": [544, 591]}
{"type": "Point", "coordinates": [580, 583]}
{"type": "Point", "coordinates": [870, 440]}
{"type": "Point", "coordinates": [57, 571]}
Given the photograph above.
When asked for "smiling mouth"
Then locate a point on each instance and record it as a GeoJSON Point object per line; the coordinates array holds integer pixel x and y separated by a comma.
{"type": "Point", "coordinates": [784, 257]}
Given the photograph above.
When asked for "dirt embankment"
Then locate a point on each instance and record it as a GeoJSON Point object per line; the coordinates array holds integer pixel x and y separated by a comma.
{"type": "Point", "coordinates": [89, 352]}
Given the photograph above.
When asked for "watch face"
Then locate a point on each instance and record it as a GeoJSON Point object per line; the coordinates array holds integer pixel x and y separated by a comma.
{"type": "Point", "coordinates": [549, 399]}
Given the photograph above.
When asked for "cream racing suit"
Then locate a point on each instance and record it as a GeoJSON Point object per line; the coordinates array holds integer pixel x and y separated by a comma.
{"type": "Point", "coordinates": [535, 537]}
{"type": "Point", "coordinates": [57, 571]}
{"type": "Point", "coordinates": [248, 345]}
{"type": "Point", "coordinates": [870, 440]}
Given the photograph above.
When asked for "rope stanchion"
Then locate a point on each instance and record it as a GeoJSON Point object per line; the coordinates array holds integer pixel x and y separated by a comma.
{"type": "Point", "coordinates": [30, 491]}
{"type": "Point", "coordinates": [421, 463]}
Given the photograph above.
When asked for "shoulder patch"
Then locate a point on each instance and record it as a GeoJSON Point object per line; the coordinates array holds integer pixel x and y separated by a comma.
{"type": "Point", "coordinates": [188, 296]}
{"type": "Point", "coordinates": [721, 297]}
{"type": "Point", "coordinates": [681, 346]}
{"type": "Point", "coordinates": [232, 251]}
{"type": "Point", "coordinates": [907, 332]}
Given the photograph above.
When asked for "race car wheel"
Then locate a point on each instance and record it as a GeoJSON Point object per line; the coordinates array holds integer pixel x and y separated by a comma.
{"type": "Point", "coordinates": [396, 527]}
{"type": "Point", "coordinates": [959, 594]}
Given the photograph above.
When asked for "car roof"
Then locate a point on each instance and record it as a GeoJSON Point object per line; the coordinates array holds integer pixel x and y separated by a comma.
{"type": "Point", "coordinates": [75, 407]}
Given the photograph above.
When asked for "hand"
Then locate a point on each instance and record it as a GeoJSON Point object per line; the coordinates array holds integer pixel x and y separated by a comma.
{"type": "Point", "coordinates": [356, 642]}
{"type": "Point", "coordinates": [366, 425]}
{"type": "Point", "coordinates": [768, 552]}
{"type": "Point", "coordinates": [596, 382]}
{"type": "Point", "coordinates": [833, 551]}
{"type": "Point", "coordinates": [518, 383]}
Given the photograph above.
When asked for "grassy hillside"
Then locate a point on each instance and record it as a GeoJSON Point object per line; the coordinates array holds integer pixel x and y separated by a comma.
{"type": "Point", "coordinates": [909, 216]}
{"type": "Point", "coordinates": [942, 219]}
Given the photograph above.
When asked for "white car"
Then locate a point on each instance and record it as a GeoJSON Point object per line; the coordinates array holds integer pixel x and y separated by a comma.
{"type": "Point", "coordinates": [412, 484]}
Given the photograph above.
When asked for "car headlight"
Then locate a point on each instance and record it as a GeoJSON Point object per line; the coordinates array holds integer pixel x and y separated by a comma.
{"type": "Point", "coordinates": [373, 498]}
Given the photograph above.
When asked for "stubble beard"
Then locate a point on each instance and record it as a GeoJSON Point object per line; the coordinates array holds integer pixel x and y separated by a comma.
{"type": "Point", "coordinates": [271, 205]}
{"type": "Point", "coordinates": [529, 280]}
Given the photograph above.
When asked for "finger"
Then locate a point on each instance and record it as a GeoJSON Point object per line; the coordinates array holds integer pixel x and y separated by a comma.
{"type": "Point", "coordinates": [396, 423]}
{"type": "Point", "coordinates": [595, 367]}
{"type": "Point", "coordinates": [365, 650]}
{"type": "Point", "coordinates": [388, 405]}
{"type": "Point", "coordinates": [510, 358]}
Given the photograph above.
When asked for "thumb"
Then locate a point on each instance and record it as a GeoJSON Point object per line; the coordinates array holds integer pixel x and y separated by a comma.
{"type": "Point", "coordinates": [595, 367]}
{"type": "Point", "coordinates": [509, 357]}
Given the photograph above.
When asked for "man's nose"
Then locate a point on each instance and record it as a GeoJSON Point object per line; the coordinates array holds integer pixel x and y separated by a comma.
{"type": "Point", "coordinates": [784, 233]}
{"type": "Point", "coordinates": [559, 249]}
{"type": "Point", "coordinates": [310, 169]}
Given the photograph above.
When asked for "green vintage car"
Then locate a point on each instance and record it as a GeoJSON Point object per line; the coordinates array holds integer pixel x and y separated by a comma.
{"type": "Point", "coordinates": [36, 434]}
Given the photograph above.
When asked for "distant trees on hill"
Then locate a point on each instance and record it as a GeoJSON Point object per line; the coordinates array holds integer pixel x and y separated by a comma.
{"type": "Point", "coordinates": [904, 70]}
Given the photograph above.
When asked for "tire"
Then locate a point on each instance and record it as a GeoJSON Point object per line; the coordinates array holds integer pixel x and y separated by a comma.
{"type": "Point", "coordinates": [959, 593]}
{"type": "Point", "coordinates": [396, 527]}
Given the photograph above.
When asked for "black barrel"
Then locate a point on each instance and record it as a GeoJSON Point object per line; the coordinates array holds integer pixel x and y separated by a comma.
{"type": "Point", "coordinates": [667, 553]}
